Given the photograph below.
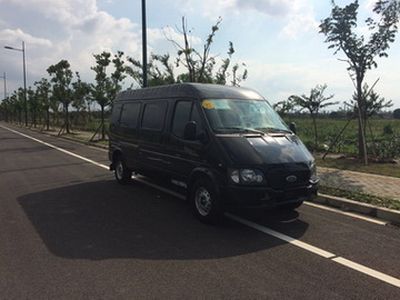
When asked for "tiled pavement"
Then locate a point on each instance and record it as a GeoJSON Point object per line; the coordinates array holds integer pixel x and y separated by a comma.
{"type": "Point", "coordinates": [377, 185]}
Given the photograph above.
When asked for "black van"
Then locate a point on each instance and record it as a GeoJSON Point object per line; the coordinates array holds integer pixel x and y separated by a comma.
{"type": "Point", "coordinates": [225, 145]}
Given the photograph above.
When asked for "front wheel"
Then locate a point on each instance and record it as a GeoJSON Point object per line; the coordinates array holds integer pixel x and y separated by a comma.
{"type": "Point", "coordinates": [122, 173]}
{"type": "Point", "coordinates": [205, 202]}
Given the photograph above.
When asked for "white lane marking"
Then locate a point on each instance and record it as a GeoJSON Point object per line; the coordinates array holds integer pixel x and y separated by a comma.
{"type": "Point", "coordinates": [57, 148]}
{"type": "Point", "coordinates": [281, 236]}
{"type": "Point", "coordinates": [328, 255]}
{"type": "Point", "coordinates": [368, 271]}
{"type": "Point", "coordinates": [346, 213]}
{"type": "Point", "coordinates": [305, 246]}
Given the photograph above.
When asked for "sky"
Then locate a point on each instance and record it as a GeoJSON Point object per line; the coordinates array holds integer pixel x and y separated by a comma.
{"type": "Point", "coordinates": [278, 40]}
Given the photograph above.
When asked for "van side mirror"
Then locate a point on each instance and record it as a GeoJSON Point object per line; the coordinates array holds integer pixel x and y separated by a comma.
{"type": "Point", "coordinates": [189, 132]}
{"type": "Point", "coordinates": [292, 127]}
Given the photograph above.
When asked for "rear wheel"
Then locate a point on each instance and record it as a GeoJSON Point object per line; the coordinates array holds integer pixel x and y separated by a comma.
{"type": "Point", "coordinates": [205, 202]}
{"type": "Point", "coordinates": [122, 173]}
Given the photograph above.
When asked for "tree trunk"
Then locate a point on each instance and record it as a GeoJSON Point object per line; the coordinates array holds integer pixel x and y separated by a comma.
{"type": "Point", "coordinates": [54, 118]}
{"type": "Point", "coordinates": [34, 118]}
{"type": "Point", "coordinates": [47, 119]}
{"type": "Point", "coordinates": [315, 131]}
{"type": "Point", "coordinates": [66, 118]}
{"type": "Point", "coordinates": [102, 123]}
{"type": "Point", "coordinates": [362, 145]}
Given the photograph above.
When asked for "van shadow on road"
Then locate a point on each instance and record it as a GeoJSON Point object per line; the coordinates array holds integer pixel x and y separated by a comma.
{"type": "Point", "coordinates": [102, 220]}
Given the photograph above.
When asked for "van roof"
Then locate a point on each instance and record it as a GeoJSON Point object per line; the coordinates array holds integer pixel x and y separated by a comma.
{"type": "Point", "coordinates": [192, 90]}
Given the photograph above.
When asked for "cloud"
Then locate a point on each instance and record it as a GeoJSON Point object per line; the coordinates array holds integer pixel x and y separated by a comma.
{"type": "Point", "coordinates": [72, 30]}
{"type": "Point", "coordinates": [269, 7]}
{"type": "Point", "coordinates": [295, 16]}
{"type": "Point", "coordinates": [216, 8]}
{"type": "Point", "coordinates": [300, 19]}
{"type": "Point", "coordinates": [278, 81]}
{"type": "Point", "coordinates": [12, 36]}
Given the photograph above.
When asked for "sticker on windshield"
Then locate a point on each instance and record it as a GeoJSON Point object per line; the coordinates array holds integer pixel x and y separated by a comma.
{"type": "Point", "coordinates": [207, 104]}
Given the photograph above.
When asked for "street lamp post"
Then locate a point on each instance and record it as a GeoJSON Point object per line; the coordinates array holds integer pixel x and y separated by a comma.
{"type": "Point", "coordinates": [5, 84]}
{"type": "Point", "coordinates": [144, 43]}
{"type": "Point", "coordinates": [24, 74]}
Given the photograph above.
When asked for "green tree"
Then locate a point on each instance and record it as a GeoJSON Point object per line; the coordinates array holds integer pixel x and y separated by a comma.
{"type": "Point", "coordinates": [61, 77]}
{"type": "Point", "coordinates": [199, 65]}
{"type": "Point", "coordinates": [284, 107]}
{"type": "Point", "coordinates": [374, 102]}
{"type": "Point", "coordinates": [5, 109]}
{"type": "Point", "coordinates": [43, 93]}
{"type": "Point", "coordinates": [80, 94]}
{"type": "Point", "coordinates": [313, 103]}
{"type": "Point", "coordinates": [361, 51]}
{"type": "Point", "coordinates": [19, 103]}
{"type": "Point", "coordinates": [107, 86]}
{"type": "Point", "coordinates": [160, 70]}
{"type": "Point", "coordinates": [33, 105]}
{"type": "Point", "coordinates": [118, 75]}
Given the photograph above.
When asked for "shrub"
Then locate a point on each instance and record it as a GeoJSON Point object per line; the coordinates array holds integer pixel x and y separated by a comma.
{"type": "Point", "coordinates": [388, 129]}
{"type": "Point", "coordinates": [388, 149]}
{"type": "Point", "coordinates": [396, 113]}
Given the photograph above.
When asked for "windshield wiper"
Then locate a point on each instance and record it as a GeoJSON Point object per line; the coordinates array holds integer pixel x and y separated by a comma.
{"type": "Point", "coordinates": [273, 129]}
{"type": "Point", "coordinates": [240, 129]}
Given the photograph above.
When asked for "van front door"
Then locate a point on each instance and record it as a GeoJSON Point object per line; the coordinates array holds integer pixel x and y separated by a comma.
{"type": "Point", "coordinates": [184, 155]}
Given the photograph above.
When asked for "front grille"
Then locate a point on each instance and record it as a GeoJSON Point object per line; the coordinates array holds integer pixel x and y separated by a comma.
{"type": "Point", "coordinates": [277, 175]}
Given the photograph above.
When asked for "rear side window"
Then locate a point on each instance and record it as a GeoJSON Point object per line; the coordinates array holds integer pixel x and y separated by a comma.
{"type": "Point", "coordinates": [154, 115]}
{"type": "Point", "coordinates": [116, 113]}
{"type": "Point", "coordinates": [181, 117]}
{"type": "Point", "coordinates": [130, 115]}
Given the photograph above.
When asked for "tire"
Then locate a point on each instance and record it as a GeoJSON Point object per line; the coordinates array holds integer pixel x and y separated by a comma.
{"type": "Point", "coordinates": [122, 173]}
{"type": "Point", "coordinates": [205, 201]}
{"type": "Point", "coordinates": [291, 206]}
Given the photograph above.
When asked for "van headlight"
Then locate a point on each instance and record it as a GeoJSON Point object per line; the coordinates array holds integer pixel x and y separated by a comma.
{"type": "Point", "coordinates": [314, 177]}
{"type": "Point", "coordinates": [246, 176]}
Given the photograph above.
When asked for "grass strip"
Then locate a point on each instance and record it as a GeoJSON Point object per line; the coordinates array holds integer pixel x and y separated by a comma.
{"type": "Point", "coordinates": [386, 169]}
{"type": "Point", "coordinates": [361, 197]}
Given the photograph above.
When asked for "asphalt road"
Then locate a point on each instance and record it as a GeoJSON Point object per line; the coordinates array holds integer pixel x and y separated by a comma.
{"type": "Point", "coordinates": [69, 231]}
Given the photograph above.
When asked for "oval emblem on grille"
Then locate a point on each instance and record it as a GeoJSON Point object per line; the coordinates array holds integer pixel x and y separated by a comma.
{"type": "Point", "coordinates": [291, 178]}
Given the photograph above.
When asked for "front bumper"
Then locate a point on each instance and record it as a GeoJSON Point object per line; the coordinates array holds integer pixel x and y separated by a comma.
{"type": "Point", "coordinates": [245, 196]}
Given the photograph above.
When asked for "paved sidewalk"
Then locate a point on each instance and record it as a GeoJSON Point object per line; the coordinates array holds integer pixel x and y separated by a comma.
{"type": "Point", "coordinates": [377, 185]}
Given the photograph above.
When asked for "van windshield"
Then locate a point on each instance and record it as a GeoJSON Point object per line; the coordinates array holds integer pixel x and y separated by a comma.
{"type": "Point", "coordinates": [238, 115]}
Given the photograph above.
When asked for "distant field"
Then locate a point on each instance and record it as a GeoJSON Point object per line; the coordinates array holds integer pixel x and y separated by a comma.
{"type": "Point", "coordinates": [329, 128]}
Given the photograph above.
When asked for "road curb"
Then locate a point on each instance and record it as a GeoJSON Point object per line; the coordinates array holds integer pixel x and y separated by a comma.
{"type": "Point", "coordinates": [386, 214]}
{"type": "Point", "coordinates": [80, 141]}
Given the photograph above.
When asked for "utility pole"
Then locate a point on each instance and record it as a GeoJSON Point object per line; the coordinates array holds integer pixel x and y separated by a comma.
{"type": "Point", "coordinates": [5, 84]}
{"type": "Point", "coordinates": [144, 43]}
{"type": "Point", "coordinates": [24, 74]}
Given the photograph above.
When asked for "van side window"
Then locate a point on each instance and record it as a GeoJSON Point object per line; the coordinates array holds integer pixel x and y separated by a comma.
{"type": "Point", "coordinates": [130, 115]}
{"type": "Point", "coordinates": [116, 113]}
{"type": "Point", "coordinates": [181, 117]}
{"type": "Point", "coordinates": [154, 115]}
